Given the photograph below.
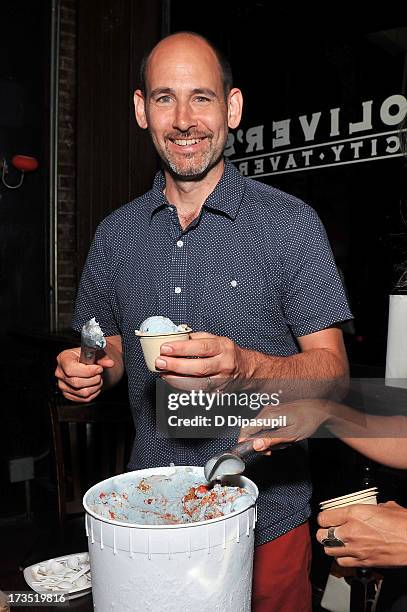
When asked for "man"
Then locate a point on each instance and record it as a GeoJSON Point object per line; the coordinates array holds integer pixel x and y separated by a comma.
{"type": "Point", "coordinates": [247, 264]}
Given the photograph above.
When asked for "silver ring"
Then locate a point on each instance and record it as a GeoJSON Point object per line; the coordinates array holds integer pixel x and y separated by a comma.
{"type": "Point", "coordinates": [331, 539]}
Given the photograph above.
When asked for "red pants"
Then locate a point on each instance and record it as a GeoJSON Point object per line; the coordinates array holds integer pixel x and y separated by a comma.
{"type": "Point", "coordinates": [281, 573]}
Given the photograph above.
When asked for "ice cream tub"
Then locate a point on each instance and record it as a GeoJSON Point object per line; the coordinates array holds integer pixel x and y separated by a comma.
{"type": "Point", "coordinates": [205, 565]}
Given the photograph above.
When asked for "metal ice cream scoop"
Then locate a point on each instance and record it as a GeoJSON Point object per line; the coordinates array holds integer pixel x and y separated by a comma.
{"type": "Point", "coordinates": [92, 340]}
{"type": "Point", "coordinates": [229, 462]}
{"type": "Point", "coordinates": [232, 461]}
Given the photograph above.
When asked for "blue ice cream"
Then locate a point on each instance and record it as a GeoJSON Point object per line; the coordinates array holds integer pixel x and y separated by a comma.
{"type": "Point", "coordinates": [161, 325]}
{"type": "Point", "coordinates": [92, 335]}
{"type": "Point", "coordinates": [182, 497]}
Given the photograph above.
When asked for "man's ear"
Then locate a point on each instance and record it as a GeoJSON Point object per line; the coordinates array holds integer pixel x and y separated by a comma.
{"type": "Point", "coordinates": [140, 109]}
{"type": "Point", "coordinates": [235, 107]}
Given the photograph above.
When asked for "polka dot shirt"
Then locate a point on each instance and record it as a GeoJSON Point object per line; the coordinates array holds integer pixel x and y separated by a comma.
{"type": "Point", "coordinates": [255, 266]}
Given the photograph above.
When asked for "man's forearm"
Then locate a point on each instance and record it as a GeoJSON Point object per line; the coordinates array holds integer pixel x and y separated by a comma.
{"type": "Point", "coordinates": [318, 372]}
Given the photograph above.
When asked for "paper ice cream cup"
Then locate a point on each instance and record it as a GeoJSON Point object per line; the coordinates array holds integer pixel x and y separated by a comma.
{"type": "Point", "coordinates": [151, 344]}
{"type": "Point", "coordinates": [368, 496]}
{"type": "Point", "coordinates": [365, 500]}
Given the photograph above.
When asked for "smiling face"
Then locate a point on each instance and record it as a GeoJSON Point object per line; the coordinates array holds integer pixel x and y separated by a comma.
{"type": "Point", "coordinates": [184, 106]}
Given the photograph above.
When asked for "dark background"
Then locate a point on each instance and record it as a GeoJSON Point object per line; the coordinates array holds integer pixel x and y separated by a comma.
{"type": "Point", "coordinates": [24, 284]}
{"type": "Point", "coordinates": [24, 53]}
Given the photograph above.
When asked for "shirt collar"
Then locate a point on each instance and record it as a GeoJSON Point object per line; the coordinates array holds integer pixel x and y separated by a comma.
{"type": "Point", "coordinates": [225, 198]}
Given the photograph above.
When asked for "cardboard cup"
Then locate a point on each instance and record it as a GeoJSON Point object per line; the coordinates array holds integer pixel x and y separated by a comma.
{"type": "Point", "coordinates": [363, 492]}
{"type": "Point", "coordinates": [151, 344]}
{"type": "Point", "coordinates": [364, 500]}
{"type": "Point", "coordinates": [348, 499]}
{"type": "Point", "coordinates": [369, 496]}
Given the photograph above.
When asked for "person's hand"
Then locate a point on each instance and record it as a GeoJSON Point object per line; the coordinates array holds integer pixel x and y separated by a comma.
{"type": "Point", "coordinates": [303, 417]}
{"type": "Point", "coordinates": [374, 536]}
{"type": "Point", "coordinates": [77, 381]}
{"type": "Point", "coordinates": [220, 361]}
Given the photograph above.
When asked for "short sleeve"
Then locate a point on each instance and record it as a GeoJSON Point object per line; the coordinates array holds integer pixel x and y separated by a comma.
{"type": "Point", "coordinates": [95, 295]}
{"type": "Point", "coordinates": [313, 293]}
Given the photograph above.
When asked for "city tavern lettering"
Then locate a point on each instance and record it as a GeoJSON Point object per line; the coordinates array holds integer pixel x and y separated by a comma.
{"type": "Point", "coordinates": [374, 135]}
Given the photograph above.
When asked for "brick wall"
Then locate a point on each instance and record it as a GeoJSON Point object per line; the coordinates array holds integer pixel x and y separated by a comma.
{"type": "Point", "coordinates": [66, 211]}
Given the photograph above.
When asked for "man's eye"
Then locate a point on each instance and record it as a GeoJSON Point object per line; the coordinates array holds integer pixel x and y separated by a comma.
{"type": "Point", "coordinates": [201, 99]}
{"type": "Point", "coordinates": [163, 99]}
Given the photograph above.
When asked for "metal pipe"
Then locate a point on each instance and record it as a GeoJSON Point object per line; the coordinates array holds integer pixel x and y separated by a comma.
{"type": "Point", "coordinates": [53, 174]}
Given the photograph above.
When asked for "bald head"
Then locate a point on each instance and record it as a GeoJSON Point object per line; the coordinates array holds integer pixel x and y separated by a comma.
{"type": "Point", "coordinates": [187, 42]}
{"type": "Point", "coordinates": [184, 106]}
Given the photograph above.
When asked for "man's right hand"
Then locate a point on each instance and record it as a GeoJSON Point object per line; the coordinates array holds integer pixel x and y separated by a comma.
{"type": "Point", "coordinates": [77, 381]}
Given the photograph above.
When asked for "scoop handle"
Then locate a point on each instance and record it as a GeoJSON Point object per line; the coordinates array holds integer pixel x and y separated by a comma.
{"type": "Point", "coordinates": [88, 355]}
{"type": "Point", "coordinates": [245, 448]}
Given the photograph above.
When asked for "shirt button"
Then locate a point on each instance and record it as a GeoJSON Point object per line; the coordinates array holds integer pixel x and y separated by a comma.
{"type": "Point", "coordinates": [233, 283]}
{"type": "Point", "coordinates": [177, 289]}
{"type": "Point", "coordinates": [170, 208]}
{"type": "Point", "coordinates": [180, 243]}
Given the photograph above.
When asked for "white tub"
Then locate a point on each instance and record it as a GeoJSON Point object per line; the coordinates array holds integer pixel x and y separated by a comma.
{"type": "Point", "coordinates": [195, 567]}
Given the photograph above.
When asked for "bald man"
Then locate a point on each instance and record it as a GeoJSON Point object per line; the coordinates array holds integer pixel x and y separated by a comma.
{"type": "Point", "coordinates": [248, 266]}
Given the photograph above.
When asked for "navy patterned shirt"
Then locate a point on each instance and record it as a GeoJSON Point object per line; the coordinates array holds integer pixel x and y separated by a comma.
{"type": "Point", "coordinates": [255, 266]}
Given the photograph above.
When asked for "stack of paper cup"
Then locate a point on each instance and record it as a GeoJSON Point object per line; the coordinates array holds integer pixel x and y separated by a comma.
{"type": "Point", "coordinates": [151, 343]}
{"type": "Point", "coordinates": [366, 496]}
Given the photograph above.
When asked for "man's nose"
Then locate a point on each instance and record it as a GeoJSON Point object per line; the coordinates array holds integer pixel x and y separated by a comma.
{"type": "Point", "coordinates": [184, 117]}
